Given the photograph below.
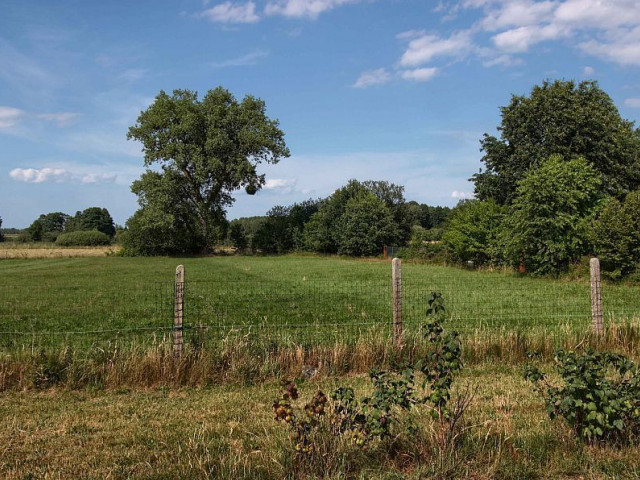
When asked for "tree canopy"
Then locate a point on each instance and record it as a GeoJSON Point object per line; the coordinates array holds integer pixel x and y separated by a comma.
{"type": "Point", "coordinates": [207, 149]}
{"type": "Point", "coordinates": [549, 223]}
{"type": "Point", "coordinates": [323, 232]}
{"type": "Point", "coordinates": [564, 118]}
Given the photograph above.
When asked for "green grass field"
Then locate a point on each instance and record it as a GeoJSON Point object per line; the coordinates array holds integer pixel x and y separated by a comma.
{"type": "Point", "coordinates": [297, 298]}
{"type": "Point", "coordinates": [104, 411]}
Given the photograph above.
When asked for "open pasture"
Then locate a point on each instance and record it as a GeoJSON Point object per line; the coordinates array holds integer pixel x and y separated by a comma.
{"type": "Point", "coordinates": [291, 298]}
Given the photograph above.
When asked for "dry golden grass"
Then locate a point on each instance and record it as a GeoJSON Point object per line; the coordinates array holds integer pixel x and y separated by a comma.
{"type": "Point", "coordinates": [11, 250]}
{"type": "Point", "coordinates": [227, 431]}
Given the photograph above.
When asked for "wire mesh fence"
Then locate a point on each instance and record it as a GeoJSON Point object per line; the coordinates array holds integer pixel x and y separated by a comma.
{"type": "Point", "coordinates": [298, 310]}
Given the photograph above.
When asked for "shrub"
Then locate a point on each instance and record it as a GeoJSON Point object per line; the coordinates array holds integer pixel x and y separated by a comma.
{"type": "Point", "coordinates": [600, 398]}
{"type": "Point", "coordinates": [89, 238]}
{"type": "Point", "coordinates": [472, 230]}
{"type": "Point", "coordinates": [372, 418]}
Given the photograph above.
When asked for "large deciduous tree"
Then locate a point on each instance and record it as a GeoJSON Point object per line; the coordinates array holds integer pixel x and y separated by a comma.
{"type": "Point", "coordinates": [564, 118]}
{"type": "Point", "coordinates": [549, 223]}
{"type": "Point", "coordinates": [208, 149]}
{"type": "Point", "coordinates": [324, 232]}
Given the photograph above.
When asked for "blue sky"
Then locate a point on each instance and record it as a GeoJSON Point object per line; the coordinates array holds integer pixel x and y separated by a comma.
{"type": "Point", "coordinates": [398, 90]}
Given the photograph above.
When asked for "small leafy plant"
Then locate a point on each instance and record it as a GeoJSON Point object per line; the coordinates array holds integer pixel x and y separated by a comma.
{"type": "Point", "coordinates": [600, 395]}
{"type": "Point", "coordinates": [373, 417]}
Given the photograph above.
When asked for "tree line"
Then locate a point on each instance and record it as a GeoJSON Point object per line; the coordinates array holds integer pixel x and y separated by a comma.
{"type": "Point", "coordinates": [358, 219]}
{"type": "Point", "coordinates": [560, 181]}
{"type": "Point", "coordinates": [92, 226]}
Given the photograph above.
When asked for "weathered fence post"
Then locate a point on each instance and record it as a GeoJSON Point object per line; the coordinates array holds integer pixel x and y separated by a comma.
{"type": "Point", "coordinates": [178, 310]}
{"type": "Point", "coordinates": [396, 275]}
{"type": "Point", "coordinates": [596, 297]}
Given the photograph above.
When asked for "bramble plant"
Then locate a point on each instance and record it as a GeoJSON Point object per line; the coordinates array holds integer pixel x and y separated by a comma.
{"type": "Point", "coordinates": [373, 417]}
{"type": "Point", "coordinates": [600, 398]}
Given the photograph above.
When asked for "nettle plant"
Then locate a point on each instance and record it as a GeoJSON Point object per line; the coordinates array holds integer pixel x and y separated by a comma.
{"type": "Point", "coordinates": [600, 395]}
{"type": "Point", "coordinates": [427, 382]}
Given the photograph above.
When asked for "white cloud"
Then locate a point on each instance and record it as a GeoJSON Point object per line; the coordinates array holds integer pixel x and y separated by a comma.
{"type": "Point", "coordinates": [521, 38]}
{"type": "Point", "coordinates": [58, 175]}
{"type": "Point", "coordinates": [599, 14]}
{"type": "Point", "coordinates": [632, 102]}
{"type": "Point", "coordinates": [426, 47]}
{"type": "Point", "coordinates": [606, 29]}
{"type": "Point", "coordinates": [461, 195]}
{"type": "Point", "coordinates": [10, 116]}
{"type": "Point", "coordinates": [282, 184]}
{"type": "Point", "coordinates": [372, 77]}
{"type": "Point", "coordinates": [245, 60]}
{"type": "Point", "coordinates": [419, 74]}
{"type": "Point", "coordinates": [60, 119]}
{"type": "Point", "coordinates": [518, 13]}
{"type": "Point", "coordinates": [98, 178]}
{"type": "Point", "coordinates": [229, 12]}
{"type": "Point", "coordinates": [303, 8]}
{"type": "Point", "coordinates": [588, 71]}
{"type": "Point", "coordinates": [33, 175]}
{"type": "Point", "coordinates": [622, 47]}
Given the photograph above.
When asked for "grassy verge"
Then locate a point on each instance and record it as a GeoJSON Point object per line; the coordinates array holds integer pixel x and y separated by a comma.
{"type": "Point", "coordinates": [229, 432]}
{"type": "Point", "coordinates": [247, 359]}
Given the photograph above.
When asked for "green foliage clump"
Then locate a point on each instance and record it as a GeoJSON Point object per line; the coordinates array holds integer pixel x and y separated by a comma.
{"type": "Point", "coordinates": [359, 219]}
{"type": "Point", "coordinates": [92, 218]}
{"type": "Point", "coordinates": [88, 238]}
{"type": "Point", "coordinates": [161, 226]}
{"type": "Point", "coordinates": [559, 118]}
{"type": "Point", "coordinates": [616, 236]}
{"type": "Point", "coordinates": [600, 395]}
{"type": "Point", "coordinates": [283, 228]}
{"type": "Point", "coordinates": [549, 224]}
{"type": "Point", "coordinates": [365, 227]}
{"type": "Point", "coordinates": [207, 149]}
{"type": "Point", "coordinates": [365, 420]}
{"type": "Point", "coordinates": [237, 235]}
{"type": "Point", "coordinates": [472, 231]}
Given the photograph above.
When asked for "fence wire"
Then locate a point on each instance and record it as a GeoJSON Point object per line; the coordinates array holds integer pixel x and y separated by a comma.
{"type": "Point", "coordinates": [298, 310]}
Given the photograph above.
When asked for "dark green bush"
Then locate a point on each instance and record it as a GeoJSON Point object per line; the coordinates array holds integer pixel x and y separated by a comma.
{"type": "Point", "coordinates": [89, 238]}
{"type": "Point", "coordinates": [600, 398]}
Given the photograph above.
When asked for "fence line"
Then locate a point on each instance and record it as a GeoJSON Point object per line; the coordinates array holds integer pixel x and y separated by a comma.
{"type": "Point", "coordinates": [308, 310]}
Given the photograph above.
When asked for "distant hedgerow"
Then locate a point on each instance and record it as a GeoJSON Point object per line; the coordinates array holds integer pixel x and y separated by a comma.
{"type": "Point", "coordinates": [89, 238]}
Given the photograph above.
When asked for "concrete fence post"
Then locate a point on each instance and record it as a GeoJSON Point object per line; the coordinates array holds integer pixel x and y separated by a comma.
{"type": "Point", "coordinates": [596, 297]}
{"type": "Point", "coordinates": [178, 310]}
{"type": "Point", "coordinates": [396, 275]}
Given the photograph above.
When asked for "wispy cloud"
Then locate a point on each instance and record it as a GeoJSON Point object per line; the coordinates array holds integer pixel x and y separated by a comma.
{"type": "Point", "coordinates": [229, 12]}
{"type": "Point", "coordinates": [251, 58]}
{"type": "Point", "coordinates": [369, 78]}
{"type": "Point", "coordinates": [58, 175]}
{"type": "Point", "coordinates": [303, 8]}
{"type": "Point", "coordinates": [632, 102]}
{"type": "Point", "coordinates": [420, 74]}
{"type": "Point", "coordinates": [9, 116]}
{"type": "Point", "coordinates": [63, 119]}
{"type": "Point", "coordinates": [426, 47]}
